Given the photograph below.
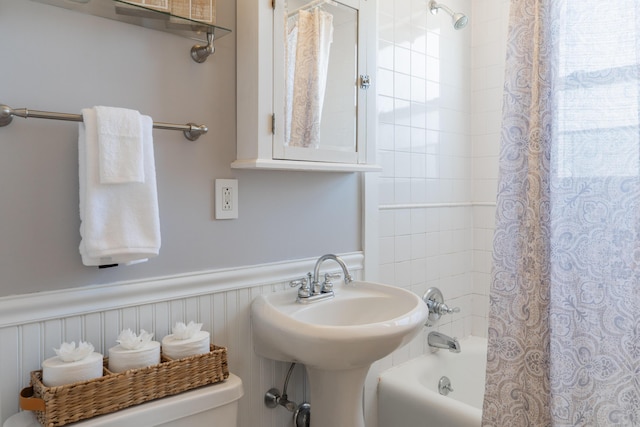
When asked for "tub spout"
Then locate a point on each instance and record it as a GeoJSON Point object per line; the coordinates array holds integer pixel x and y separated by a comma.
{"type": "Point", "coordinates": [440, 340]}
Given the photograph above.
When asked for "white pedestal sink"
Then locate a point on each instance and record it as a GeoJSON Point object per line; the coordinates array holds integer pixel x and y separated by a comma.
{"type": "Point", "coordinates": [337, 340]}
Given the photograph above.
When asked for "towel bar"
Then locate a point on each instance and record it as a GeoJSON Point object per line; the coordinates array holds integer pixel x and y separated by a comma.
{"type": "Point", "coordinates": [191, 131]}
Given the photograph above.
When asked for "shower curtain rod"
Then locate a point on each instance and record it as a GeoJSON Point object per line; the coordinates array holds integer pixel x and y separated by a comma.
{"type": "Point", "coordinates": [191, 131]}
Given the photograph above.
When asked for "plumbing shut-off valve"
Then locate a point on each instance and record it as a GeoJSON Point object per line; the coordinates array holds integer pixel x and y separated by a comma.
{"type": "Point", "coordinates": [301, 413]}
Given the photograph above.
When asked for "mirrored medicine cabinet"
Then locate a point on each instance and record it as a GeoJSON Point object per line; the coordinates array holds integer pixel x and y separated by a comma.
{"type": "Point", "coordinates": [304, 75]}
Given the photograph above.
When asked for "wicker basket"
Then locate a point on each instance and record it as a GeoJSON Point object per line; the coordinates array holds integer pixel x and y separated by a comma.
{"type": "Point", "coordinates": [61, 405]}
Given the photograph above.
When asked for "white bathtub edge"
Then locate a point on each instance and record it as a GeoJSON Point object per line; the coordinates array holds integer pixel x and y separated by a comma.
{"type": "Point", "coordinates": [404, 400]}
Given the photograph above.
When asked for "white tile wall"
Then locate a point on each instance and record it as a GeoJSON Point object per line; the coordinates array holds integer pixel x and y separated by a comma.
{"type": "Point", "coordinates": [425, 223]}
{"type": "Point", "coordinates": [438, 143]}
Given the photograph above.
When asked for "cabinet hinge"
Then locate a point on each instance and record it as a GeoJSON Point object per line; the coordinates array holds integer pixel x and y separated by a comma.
{"type": "Point", "coordinates": [273, 124]}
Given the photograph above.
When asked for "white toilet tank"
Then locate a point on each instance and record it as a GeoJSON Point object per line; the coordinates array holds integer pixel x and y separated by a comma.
{"type": "Point", "coordinates": [215, 405]}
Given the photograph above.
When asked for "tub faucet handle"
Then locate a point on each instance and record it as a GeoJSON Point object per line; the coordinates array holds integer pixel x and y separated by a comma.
{"type": "Point", "coordinates": [443, 308]}
{"type": "Point", "coordinates": [434, 300]}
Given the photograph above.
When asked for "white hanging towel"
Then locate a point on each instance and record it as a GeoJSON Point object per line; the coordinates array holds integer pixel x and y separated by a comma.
{"type": "Point", "coordinates": [119, 222]}
{"type": "Point", "coordinates": [120, 150]}
{"type": "Point", "coordinates": [313, 35]}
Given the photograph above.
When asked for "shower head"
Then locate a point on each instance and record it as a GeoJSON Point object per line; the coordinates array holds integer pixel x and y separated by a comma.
{"type": "Point", "coordinates": [458, 19]}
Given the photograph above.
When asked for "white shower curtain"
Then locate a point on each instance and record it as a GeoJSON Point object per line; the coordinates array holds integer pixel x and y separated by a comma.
{"type": "Point", "coordinates": [564, 322]}
{"type": "Point", "coordinates": [309, 37]}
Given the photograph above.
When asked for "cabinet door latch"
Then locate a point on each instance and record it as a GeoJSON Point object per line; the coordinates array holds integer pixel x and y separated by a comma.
{"type": "Point", "coordinates": [365, 81]}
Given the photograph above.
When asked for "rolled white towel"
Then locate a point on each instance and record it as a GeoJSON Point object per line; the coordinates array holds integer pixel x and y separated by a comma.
{"type": "Point", "coordinates": [186, 340]}
{"type": "Point", "coordinates": [122, 359]}
{"type": "Point", "coordinates": [56, 372]}
{"type": "Point", "coordinates": [133, 351]}
{"type": "Point", "coordinates": [177, 348]}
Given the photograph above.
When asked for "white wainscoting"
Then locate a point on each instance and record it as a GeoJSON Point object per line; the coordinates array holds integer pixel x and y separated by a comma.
{"type": "Point", "coordinates": [32, 325]}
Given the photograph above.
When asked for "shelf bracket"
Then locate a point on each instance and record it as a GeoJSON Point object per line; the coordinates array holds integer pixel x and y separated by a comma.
{"type": "Point", "coordinates": [200, 53]}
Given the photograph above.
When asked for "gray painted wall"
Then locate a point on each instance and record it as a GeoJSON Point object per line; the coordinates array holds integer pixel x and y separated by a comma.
{"type": "Point", "coordinates": [53, 59]}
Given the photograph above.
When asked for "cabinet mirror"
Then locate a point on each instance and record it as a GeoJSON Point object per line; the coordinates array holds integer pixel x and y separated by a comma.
{"type": "Point", "coordinates": [320, 81]}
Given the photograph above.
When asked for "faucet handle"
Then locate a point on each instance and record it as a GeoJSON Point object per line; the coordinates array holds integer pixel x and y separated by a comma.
{"type": "Point", "coordinates": [441, 308]}
{"type": "Point", "coordinates": [434, 300]}
{"type": "Point", "coordinates": [444, 308]}
{"type": "Point", "coordinates": [298, 282]}
{"type": "Point", "coordinates": [305, 287]}
{"type": "Point", "coordinates": [327, 285]}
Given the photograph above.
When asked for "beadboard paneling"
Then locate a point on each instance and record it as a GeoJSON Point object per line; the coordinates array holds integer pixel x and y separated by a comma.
{"type": "Point", "coordinates": [32, 325]}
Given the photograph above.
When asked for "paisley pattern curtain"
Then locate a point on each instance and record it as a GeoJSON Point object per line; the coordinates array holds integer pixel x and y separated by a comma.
{"type": "Point", "coordinates": [309, 37]}
{"type": "Point", "coordinates": [564, 322]}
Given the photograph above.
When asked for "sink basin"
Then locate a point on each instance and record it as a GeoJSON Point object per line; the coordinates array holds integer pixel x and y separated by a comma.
{"type": "Point", "coordinates": [337, 340]}
{"type": "Point", "coordinates": [363, 323]}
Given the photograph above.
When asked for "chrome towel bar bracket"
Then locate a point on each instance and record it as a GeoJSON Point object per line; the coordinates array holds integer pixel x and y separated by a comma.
{"type": "Point", "coordinates": [191, 131]}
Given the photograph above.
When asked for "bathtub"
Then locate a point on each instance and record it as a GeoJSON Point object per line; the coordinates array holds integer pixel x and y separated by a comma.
{"type": "Point", "coordinates": [408, 394]}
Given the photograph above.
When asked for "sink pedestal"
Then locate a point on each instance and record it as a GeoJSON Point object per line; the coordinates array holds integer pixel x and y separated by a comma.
{"type": "Point", "coordinates": [337, 340]}
{"type": "Point", "coordinates": [337, 396]}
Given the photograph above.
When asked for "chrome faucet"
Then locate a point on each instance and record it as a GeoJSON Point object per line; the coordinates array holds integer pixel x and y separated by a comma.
{"type": "Point", "coordinates": [316, 284]}
{"type": "Point", "coordinates": [311, 290]}
{"type": "Point", "coordinates": [440, 340]}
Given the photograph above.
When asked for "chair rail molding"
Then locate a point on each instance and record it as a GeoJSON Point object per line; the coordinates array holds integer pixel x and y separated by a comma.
{"type": "Point", "coordinates": [42, 306]}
